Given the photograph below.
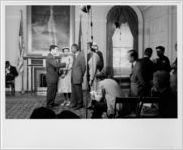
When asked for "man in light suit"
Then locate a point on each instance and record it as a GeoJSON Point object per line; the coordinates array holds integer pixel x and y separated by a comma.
{"type": "Point", "coordinates": [52, 75]}
{"type": "Point", "coordinates": [78, 71]}
{"type": "Point", "coordinates": [135, 77]}
{"type": "Point", "coordinates": [133, 56]}
{"type": "Point", "coordinates": [93, 60]}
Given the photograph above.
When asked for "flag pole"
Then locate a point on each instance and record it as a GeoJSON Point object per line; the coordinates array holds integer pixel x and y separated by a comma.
{"type": "Point", "coordinates": [21, 49]}
{"type": "Point", "coordinates": [80, 44]}
{"type": "Point", "coordinates": [22, 54]}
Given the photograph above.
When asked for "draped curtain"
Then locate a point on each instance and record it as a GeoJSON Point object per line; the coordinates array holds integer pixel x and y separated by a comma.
{"type": "Point", "coordinates": [117, 14]}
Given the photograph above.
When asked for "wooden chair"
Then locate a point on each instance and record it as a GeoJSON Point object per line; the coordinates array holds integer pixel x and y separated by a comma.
{"type": "Point", "coordinates": [127, 100]}
{"type": "Point", "coordinates": [139, 101]}
{"type": "Point", "coordinates": [145, 100]}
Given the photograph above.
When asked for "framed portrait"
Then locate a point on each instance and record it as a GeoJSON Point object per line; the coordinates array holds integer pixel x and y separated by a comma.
{"type": "Point", "coordinates": [49, 25]}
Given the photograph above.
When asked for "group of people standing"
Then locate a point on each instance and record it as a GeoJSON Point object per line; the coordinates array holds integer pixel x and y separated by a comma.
{"type": "Point", "coordinates": [65, 73]}
{"type": "Point", "coordinates": [144, 68]}
{"type": "Point", "coordinates": [155, 78]}
{"type": "Point", "coordinates": [148, 78]}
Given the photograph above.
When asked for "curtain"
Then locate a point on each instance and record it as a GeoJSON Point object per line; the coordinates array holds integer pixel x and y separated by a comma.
{"type": "Point", "coordinates": [117, 13]}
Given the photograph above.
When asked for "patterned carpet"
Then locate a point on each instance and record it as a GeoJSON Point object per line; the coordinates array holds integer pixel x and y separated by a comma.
{"type": "Point", "coordinates": [22, 106]}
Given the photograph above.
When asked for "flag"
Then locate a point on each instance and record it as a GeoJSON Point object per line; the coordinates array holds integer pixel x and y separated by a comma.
{"type": "Point", "coordinates": [21, 46]}
{"type": "Point", "coordinates": [80, 41]}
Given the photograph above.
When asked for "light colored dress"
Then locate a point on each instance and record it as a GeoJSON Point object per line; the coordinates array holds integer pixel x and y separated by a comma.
{"type": "Point", "coordinates": [64, 82]}
{"type": "Point", "coordinates": [92, 63]}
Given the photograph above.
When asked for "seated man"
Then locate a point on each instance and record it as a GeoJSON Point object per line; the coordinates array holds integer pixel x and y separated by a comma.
{"type": "Point", "coordinates": [10, 72]}
{"type": "Point", "coordinates": [108, 90]}
{"type": "Point", "coordinates": [161, 88]}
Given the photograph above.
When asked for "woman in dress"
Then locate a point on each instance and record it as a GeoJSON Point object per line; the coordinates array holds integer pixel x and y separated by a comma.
{"type": "Point", "coordinates": [64, 83]}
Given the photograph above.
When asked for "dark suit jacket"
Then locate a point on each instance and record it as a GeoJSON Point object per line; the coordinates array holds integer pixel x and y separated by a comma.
{"type": "Point", "coordinates": [147, 69]}
{"type": "Point", "coordinates": [167, 103]}
{"type": "Point", "coordinates": [162, 63]}
{"type": "Point", "coordinates": [141, 76]}
{"type": "Point", "coordinates": [12, 74]}
{"type": "Point", "coordinates": [13, 71]}
{"type": "Point", "coordinates": [52, 69]}
{"type": "Point", "coordinates": [78, 69]}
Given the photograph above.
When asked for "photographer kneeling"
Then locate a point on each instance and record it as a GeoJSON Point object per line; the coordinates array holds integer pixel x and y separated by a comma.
{"type": "Point", "coordinates": [103, 100]}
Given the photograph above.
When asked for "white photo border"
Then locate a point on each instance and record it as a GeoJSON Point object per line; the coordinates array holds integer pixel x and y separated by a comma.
{"type": "Point", "coordinates": [87, 133]}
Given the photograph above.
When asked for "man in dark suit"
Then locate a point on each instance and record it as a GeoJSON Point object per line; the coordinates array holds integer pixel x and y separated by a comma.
{"type": "Point", "coordinates": [142, 73]}
{"type": "Point", "coordinates": [10, 71]}
{"type": "Point", "coordinates": [168, 100]}
{"type": "Point", "coordinates": [78, 71]}
{"type": "Point", "coordinates": [52, 75]}
{"type": "Point", "coordinates": [162, 62]}
{"type": "Point", "coordinates": [145, 72]}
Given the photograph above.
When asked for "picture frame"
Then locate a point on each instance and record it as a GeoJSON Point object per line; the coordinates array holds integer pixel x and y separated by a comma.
{"type": "Point", "coordinates": [47, 25]}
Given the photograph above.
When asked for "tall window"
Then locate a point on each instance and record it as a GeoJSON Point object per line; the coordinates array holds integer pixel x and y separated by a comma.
{"type": "Point", "coordinates": [122, 41]}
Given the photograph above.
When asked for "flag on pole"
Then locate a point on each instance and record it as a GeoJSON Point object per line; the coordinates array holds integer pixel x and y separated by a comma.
{"type": "Point", "coordinates": [21, 46]}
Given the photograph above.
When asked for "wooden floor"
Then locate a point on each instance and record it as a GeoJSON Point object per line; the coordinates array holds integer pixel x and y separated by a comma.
{"type": "Point", "coordinates": [21, 106]}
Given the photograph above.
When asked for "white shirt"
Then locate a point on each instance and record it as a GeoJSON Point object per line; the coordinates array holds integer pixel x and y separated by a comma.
{"type": "Point", "coordinates": [76, 54]}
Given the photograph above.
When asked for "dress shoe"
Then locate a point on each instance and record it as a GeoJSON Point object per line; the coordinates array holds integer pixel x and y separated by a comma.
{"type": "Point", "coordinates": [68, 103]}
{"type": "Point", "coordinates": [90, 107]}
{"type": "Point", "coordinates": [64, 103]}
{"type": "Point", "coordinates": [72, 106]}
{"type": "Point", "coordinates": [78, 107]}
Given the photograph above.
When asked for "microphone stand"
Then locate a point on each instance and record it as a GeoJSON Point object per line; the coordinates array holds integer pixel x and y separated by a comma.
{"type": "Point", "coordinates": [89, 13]}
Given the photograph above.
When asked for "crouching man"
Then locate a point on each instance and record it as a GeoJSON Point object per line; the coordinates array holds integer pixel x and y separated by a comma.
{"type": "Point", "coordinates": [103, 100]}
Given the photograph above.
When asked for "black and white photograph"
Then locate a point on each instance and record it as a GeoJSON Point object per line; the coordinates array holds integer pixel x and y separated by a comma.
{"type": "Point", "coordinates": [82, 63]}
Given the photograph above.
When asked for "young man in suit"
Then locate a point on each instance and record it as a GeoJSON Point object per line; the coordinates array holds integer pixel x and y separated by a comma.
{"type": "Point", "coordinates": [146, 71]}
{"type": "Point", "coordinates": [162, 62]}
{"type": "Point", "coordinates": [78, 71]}
{"type": "Point", "coordinates": [52, 75]}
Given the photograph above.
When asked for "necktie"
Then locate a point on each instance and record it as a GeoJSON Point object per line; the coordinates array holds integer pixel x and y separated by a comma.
{"type": "Point", "coordinates": [75, 56]}
{"type": "Point", "coordinates": [131, 70]}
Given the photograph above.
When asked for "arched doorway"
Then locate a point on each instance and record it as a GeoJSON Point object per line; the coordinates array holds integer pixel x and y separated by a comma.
{"type": "Point", "coordinates": [134, 19]}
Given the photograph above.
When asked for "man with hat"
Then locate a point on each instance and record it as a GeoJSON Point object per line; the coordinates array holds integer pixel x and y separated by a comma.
{"type": "Point", "coordinates": [100, 64]}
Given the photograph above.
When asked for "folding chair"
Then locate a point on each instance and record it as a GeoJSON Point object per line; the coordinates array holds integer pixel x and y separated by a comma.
{"type": "Point", "coordinates": [126, 100]}
{"type": "Point", "coordinates": [148, 100]}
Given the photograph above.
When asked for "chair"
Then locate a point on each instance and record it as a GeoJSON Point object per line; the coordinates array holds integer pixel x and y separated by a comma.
{"type": "Point", "coordinates": [11, 84]}
{"type": "Point", "coordinates": [127, 100]}
{"type": "Point", "coordinates": [143, 101]}
{"type": "Point", "coordinates": [139, 101]}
